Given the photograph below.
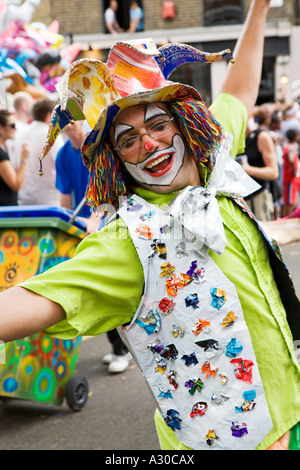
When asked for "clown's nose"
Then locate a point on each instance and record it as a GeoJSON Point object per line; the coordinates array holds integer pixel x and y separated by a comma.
{"type": "Point", "coordinates": [149, 145]}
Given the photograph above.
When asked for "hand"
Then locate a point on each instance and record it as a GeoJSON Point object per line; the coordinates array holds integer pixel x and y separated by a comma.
{"type": "Point", "coordinates": [25, 151]}
{"type": "Point", "coordinates": [245, 165]}
{"type": "Point", "coordinates": [91, 224]}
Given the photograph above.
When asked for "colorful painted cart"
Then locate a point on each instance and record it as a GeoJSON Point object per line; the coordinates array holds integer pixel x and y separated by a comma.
{"type": "Point", "coordinates": [38, 367]}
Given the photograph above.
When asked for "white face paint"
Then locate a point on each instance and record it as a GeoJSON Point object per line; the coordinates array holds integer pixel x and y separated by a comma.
{"type": "Point", "coordinates": [161, 167]}
{"type": "Point", "coordinates": [121, 129]}
{"type": "Point", "coordinates": [153, 111]}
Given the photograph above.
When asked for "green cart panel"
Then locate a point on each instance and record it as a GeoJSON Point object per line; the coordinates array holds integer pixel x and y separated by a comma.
{"type": "Point", "coordinates": [32, 240]}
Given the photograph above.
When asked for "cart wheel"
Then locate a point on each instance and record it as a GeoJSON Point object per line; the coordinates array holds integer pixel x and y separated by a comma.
{"type": "Point", "coordinates": [76, 393]}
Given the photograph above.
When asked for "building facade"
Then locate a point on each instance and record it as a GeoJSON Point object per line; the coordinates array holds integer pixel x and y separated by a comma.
{"type": "Point", "coordinates": [209, 25]}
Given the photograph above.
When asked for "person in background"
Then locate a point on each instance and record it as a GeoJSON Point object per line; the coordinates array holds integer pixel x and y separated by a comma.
{"type": "Point", "coordinates": [36, 190]}
{"type": "Point", "coordinates": [291, 172]}
{"type": "Point", "coordinates": [136, 17]}
{"type": "Point", "coordinates": [11, 179]}
{"type": "Point", "coordinates": [261, 165]}
{"type": "Point", "coordinates": [290, 119]}
{"type": "Point", "coordinates": [120, 358]}
{"type": "Point", "coordinates": [71, 181]}
{"type": "Point", "coordinates": [276, 185]}
{"type": "Point", "coordinates": [110, 18]}
{"type": "Point", "coordinates": [276, 134]}
{"type": "Point", "coordinates": [72, 175]}
{"type": "Point", "coordinates": [22, 105]}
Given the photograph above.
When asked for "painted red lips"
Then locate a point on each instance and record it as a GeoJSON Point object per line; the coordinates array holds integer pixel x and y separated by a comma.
{"type": "Point", "coordinates": [159, 166]}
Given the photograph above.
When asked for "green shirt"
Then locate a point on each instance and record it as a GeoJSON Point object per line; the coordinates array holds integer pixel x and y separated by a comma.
{"type": "Point", "coordinates": [101, 287]}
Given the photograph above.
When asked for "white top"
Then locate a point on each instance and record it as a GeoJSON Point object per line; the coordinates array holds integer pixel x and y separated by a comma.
{"type": "Point", "coordinates": [110, 16]}
{"type": "Point", "coordinates": [36, 189]}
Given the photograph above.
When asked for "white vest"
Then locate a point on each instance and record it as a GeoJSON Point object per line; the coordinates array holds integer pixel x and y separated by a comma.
{"type": "Point", "coordinates": [190, 339]}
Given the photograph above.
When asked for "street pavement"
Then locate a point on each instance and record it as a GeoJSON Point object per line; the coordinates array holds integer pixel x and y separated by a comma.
{"type": "Point", "coordinates": [117, 416]}
{"type": "Point", "coordinates": [291, 255]}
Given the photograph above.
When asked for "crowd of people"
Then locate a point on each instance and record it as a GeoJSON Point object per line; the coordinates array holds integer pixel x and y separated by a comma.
{"type": "Point", "coordinates": [272, 158]}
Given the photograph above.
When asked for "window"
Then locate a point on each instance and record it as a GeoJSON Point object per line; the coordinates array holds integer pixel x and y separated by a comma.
{"type": "Point", "coordinates": [267, 83]}
{"type": "Point", "coordinates": [121, 12]}
{"type": "Point", "coordinates": [219, 12]}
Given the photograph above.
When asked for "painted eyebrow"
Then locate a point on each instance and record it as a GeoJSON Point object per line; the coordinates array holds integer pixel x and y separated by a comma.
{"type": "Point", "coordinates": [121, 129]}
{"type": "Point", "coordinates": [153, 111]}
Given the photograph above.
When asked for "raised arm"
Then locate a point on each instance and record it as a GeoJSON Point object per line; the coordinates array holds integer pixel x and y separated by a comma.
{"type": "Point", "coordinates": [243, 76]}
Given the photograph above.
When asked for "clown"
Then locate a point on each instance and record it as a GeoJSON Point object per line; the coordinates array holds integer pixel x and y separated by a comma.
{"type": "Point", "coordinates": [155, 142]}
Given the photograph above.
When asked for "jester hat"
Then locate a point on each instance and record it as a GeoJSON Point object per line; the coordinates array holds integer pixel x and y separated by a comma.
{"type": "Point", "coordinates": [135, 73]}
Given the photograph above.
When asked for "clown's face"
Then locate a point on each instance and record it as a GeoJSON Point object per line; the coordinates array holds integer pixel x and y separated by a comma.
{"type": "Point", "coordinates": [160, 163]}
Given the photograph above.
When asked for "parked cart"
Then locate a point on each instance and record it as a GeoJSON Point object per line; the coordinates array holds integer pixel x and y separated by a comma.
{"type": "Point", "coordinates": [39, 367]}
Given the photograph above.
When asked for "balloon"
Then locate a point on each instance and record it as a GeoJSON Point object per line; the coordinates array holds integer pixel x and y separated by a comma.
{"type": "Point", "coordinates": [54, 27]}
{"type": "Point", "coordinates": [69, 53]}
{"type": "Point", "coordinates": [24, 55]}
{"type": "Point", "coordinates": [7, 64]}
{"type": "Point", "coordinates": [31, 55]}
{"type": "Point", "coordinates": [22, 13]}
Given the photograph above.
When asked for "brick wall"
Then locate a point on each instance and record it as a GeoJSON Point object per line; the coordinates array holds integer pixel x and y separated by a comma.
{"type": "Point", "coordinates": [86, 16]}
{"type": "Point", "coordinates": [188, 14]}
{"type": "Point", "coordinates": [74, 16]}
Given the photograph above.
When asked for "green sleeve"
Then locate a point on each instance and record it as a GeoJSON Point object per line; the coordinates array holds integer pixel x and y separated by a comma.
{"type": "Point", "coordinates": [95, 288]}
{"type": "Point", "coordinates": [232, 115]}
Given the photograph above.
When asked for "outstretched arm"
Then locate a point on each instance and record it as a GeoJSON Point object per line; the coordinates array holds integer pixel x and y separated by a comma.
{"type": "Point", "coordinates": [29, 313]}
{"type": "Point", "coordinates": [243, 76]}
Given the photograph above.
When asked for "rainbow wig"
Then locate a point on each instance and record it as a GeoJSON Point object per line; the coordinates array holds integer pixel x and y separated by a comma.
{"type": "Point", "coordinates": [203, 134]}
{"type": "Point", "coordinates": [106, 182]}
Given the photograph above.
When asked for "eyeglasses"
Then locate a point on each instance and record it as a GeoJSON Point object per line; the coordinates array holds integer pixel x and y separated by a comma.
{"type": "Point", "coordinates": [133, 142]}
